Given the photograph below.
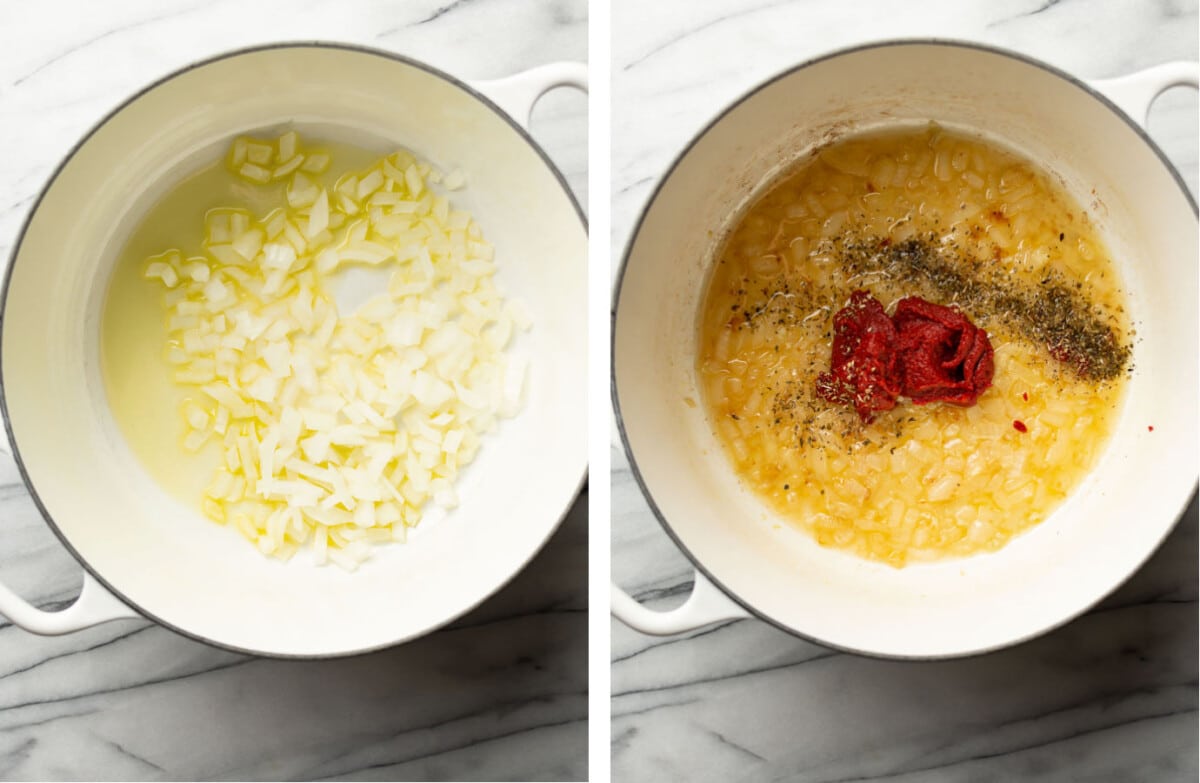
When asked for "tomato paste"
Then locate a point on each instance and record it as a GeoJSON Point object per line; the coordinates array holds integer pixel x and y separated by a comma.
{"type": "Point", "coordinates": [865, 365]}
{"type": "Point", "coordinates": [926, 352]}
{"type": "Point", "coordinates": [945, 357]}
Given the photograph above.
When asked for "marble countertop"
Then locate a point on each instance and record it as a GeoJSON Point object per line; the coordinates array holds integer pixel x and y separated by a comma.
{"type": "Point", "coordinates": [1111, 696]}
{"type": "Point", "coordinates": [501, 694]}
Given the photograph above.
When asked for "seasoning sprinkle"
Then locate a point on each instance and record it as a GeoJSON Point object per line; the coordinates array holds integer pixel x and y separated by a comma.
{"type": "Point", "coordinates": [1053, 313]}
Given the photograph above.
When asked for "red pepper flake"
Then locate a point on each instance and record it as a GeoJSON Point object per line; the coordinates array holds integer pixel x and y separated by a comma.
{"type": "Point", "coordinates": [1150, 428]}
{"type": "Point", "coordinates": [1019, 426]}
{"type": "Point", "coordinates": [927, 352]}
{"type": "Point", "coordinates": [1025, 396]}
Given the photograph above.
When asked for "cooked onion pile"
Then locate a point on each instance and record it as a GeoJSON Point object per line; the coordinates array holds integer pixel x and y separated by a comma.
{"type": "Point", "coordinates": [338, 429]}
{"type": "Point", "coordinates": [996, 238]}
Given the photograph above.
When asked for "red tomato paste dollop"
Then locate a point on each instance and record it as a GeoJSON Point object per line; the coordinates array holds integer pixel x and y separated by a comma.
{"type": "Point", "coordinates": [924, 351]}
{"type": "Point", "coordinates": [866, 366]}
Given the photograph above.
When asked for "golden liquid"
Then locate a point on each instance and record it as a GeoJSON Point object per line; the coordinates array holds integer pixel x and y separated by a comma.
{"type": "Point", "coordinates": [144, 399]}
{"type": "Point", "coordinates": [919, 481]}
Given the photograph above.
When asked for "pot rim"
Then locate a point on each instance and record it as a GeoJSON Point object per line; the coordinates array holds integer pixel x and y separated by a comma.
{"type": "Point", "coordinates": [632, 241]}
{"type": "Point", "coordinates": [53, 178]}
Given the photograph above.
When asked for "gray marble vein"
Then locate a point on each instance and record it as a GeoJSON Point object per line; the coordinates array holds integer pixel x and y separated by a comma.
{"type": "Point", "coordinates": [1111, 696]}
{"type": "Point", "coordinates": [499, 695]}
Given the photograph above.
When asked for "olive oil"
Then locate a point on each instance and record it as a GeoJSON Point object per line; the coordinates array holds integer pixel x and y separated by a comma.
{"type": "Point", "coordinates": [142, 395]}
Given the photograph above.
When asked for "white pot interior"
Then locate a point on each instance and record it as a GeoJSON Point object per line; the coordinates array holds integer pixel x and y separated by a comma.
{"type": "Point", "coordinates": [166, 559]}
{"type": "Point", "coordinates": [1097, 538]}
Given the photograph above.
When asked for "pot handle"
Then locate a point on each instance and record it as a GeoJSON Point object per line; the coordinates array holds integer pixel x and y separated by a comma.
{"type": "Point", "coordinates": [706, 605]}
{"type": "Point", "coordinates": [517, 94]}
{"type": "Point", "coordinates": [95, 605]}
{"type": "Point", "coordinates": [1135, 93]}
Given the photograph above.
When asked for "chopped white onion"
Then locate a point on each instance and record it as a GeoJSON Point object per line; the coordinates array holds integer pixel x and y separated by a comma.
{"type": "Point", "coordinates": [337, 431]}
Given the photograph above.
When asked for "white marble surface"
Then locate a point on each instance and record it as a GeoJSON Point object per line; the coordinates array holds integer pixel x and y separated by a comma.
{"type": "Point", "coordinates": [502, 694]}
{"type": "Point", "coordinates": [1111, 696]}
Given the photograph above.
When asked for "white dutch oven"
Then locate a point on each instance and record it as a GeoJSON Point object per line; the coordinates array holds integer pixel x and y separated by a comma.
{"type": "Point", "coordinates": [146, 554]}
{"type": "Point", "coordinates": [1090, 136]}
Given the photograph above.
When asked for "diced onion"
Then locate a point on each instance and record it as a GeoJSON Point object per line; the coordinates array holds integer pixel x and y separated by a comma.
{"type": "Point", "coordinates": [255, 173]}
{"type": "Point", "coordinates": [337, 430]}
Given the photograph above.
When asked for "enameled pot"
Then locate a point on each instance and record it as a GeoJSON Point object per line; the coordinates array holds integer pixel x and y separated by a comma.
{"type": "Point", "coordinates": [146, 554]}
{"type": "Point", "coordinates": [748, 560]}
